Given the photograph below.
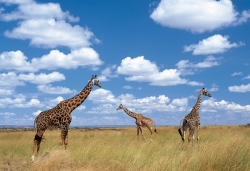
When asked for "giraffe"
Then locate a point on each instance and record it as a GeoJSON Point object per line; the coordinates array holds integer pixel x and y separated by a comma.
{"type": "Point", "coordinates": [60, 116]}
{"type": "Point", "coordinates": [140, 121]}
{"type": "Point", "coordinates": [192, 120]}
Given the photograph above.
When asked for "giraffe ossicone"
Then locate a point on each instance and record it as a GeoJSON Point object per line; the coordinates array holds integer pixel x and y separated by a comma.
{"type": "Point", "coordinates": [140, 121]}
{"type": "Point", "coordinates": [60, 116]}
{"type": "Point", "coordinates": [192, 120]}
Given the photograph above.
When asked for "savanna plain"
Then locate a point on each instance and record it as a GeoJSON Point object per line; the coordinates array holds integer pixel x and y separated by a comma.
{"type": "Point", "coordinates": [221, 148]}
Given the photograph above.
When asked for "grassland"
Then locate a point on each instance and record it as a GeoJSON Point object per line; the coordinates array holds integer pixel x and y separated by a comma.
{"type": "Point", "coordinates": [222, 148]}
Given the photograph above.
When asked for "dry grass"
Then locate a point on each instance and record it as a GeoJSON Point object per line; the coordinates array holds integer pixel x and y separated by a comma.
{"type": "Point", "coordinates": [221, 148]}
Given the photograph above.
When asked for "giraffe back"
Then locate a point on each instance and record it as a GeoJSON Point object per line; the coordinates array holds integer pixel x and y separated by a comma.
{"type": "Point", "coordinates": [55, 117]}
{"type": "Point", "coordinates": [193, 118]}
{"type": "Point", "coordinates": [147, 121]}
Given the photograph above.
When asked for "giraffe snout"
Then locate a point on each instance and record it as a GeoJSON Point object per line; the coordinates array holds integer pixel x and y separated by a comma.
{"type": "Point", "coordinates": [99, 85]}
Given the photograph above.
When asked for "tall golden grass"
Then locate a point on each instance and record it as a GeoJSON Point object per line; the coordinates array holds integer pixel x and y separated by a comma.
{"type": "Point", "coordinates": [221, 148]}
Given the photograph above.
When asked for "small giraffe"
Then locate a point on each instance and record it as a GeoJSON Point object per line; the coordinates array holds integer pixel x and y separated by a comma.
{"type": "Point", "coordinates": [60, 116]}
{"type": "Point", "coordinates": [192, 120]}
{"type": "Point", "coordinates": [140, 121]}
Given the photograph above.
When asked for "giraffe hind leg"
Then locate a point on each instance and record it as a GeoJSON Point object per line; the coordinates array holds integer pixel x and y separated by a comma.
{"type": "Point", "coordinates": [142, 133]}
{"type": "Point", "coordinates": [191, 135]}
{"type": "Point", "coordinates": [184, 128]}
{"type": "Point", "coordinates": [198, 138]}
{"type": "Point", "coordinates": [151, 132]}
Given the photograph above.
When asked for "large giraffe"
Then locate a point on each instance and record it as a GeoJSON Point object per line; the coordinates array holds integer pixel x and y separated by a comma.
{"type": "Point", "coordinates": [140, 121]}
{"type": "Point", "coordinates": [192, 120]}
{"type": "Point", "coordinates": [60, 116]}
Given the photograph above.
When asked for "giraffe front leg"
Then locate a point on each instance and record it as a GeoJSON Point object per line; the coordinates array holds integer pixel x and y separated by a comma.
{"type": "Point", "coordinates": [34, 152]}
{"type": "Point", "coordinates": [66, 141]}
{"type": "Point", "coordinates": [36, 146]}
{"type": "Point", "coordinates": [138, 133]}
{"type": "Point", "coordinates": [64, 138]}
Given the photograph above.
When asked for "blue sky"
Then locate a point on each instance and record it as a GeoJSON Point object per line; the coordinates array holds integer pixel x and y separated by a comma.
{"type": "Point", "coordinates": [151, 56]}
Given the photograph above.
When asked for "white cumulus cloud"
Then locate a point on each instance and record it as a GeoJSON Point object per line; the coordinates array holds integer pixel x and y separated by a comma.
{"type": "Point", "coordinates": [54, 90]}
{"type": "Point", "coordinates": [42, 78]}
{"type": "Point", "coordinates": [211, 45]}
{"type": "Point", "coordinates": [225, 105]}
{"type": "Point", "coordinates": [19, 101]}
{"type": "Point", "coordinates": [196, 16]}
{"type": "Point", "coordinates": [46, 25]}
{"type": "Point", "coordinates": [142, 70]}
{"type": "Point", "coordinates": [16, 60]}
{"type": "Point", "coordinates": [28, 9]}
{"type": "Point", "coordinates": [236, 73]}
{"type": "Point", "coordinates": [51, 34]}
{"type": "Point", "coordinates": [188, 68]}
{"type": "Point", "coordinates": [241, 88]}
{"type": "Point", "coordinates": [10, 79]}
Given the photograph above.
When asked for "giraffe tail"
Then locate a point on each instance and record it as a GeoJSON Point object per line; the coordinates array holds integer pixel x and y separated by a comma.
{"type": "Point", "coordinates": [155, 129]}
{"type": "Point", "coordinates": [179, 130]}
{"type": "Point", "coordinates": [35, 126]}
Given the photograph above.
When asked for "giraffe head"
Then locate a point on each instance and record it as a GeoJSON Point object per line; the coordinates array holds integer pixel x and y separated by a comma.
{"type": "Point", "coordinates": [205, 92]}
{"type": "Point", "coordinates": [95, 81]}
{"type": "Point", "coordinates": [120, 107]}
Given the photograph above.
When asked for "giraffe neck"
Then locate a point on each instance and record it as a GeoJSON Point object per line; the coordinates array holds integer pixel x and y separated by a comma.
{"type": "Point", "coordinates": [132, 114]}
{"type": "Point", "coordinates": [78, 99]}
{"type": "Point", "coordinates": [198, 103]}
